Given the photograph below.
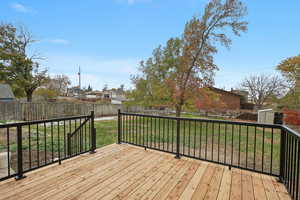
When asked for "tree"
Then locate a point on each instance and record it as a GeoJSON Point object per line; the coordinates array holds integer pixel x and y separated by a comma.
{"type": "Point", "coordinates": [59, 83]}
{"type": "Point", "coordinates": [288, 69]}
{"type": "Point", "coordinates": [261, 87]}
{"type": "Point", "coordinates": [89, 89]}
{"type": "Point", "coordinates": [46, 93]}
{"type": "Point", "coordinates": [175, 72]}
{"type": "Point", "coordinates": [17, 68]}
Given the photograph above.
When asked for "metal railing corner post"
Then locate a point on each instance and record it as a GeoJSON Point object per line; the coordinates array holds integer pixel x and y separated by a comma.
{"type": "Point", "coordinates": [119, 126]}
{"type": "Point", "coordinates": [93, 129]}
{"type": "Point", "coordinates": [178, 140]}
{"type": "Point", "coordinates": [282, 155]}
{"type": "Point", "coordinates": [20, 174]}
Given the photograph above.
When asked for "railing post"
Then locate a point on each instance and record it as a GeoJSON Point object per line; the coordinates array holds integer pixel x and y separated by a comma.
{"type": "Point", "coordinates": [282, 154]}
{"type": "Point", "coordinates": [178, 140]}
{"type": "Point", "coordinates": [69, 144]}
{"type": "Point", "coordinates": [20, 154]}
{"type": "Point", "coordinates": [119, 126]}
{"type": "Point", "coordinates": [93, 129]}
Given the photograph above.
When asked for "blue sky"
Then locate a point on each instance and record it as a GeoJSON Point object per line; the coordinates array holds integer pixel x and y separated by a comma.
{"type": "Point", "coordinates": [108, 38]}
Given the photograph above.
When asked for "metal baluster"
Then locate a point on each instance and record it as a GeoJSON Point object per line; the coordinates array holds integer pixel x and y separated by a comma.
{"type": "Point", "coordinates": [52, 149]}
{"type": "Point", "coordinates": [272, 140]}
{"type": "Point", "coordinates": [189, 138]}
{"type": "Point", "coordinates": [212, 140]}
{"type": "Point", "coordinates": [8, 151]}
{"type": "Point", "coordinates": [263, 150]}
{"type": "Point", "coordinates": [225, 144]}
{"type": "Point", "coordinates": [206, 139]}
{"type": "Point", "coordinates": [58, 142]}
{"type": "Point", "coordinates": [219, 141]}
{"type": "Point", "coordinates": [200, 146]}
{"type": "Point", "coordinates": [38, 144]}
{"type": "Point", "coordinates": [195, 131]}
{"type": "Point", "coordinates": [232, 133]}
{"type": "Point", "coordinates": [29, 148]}
{"type": "Point", "coordinates": [247, 146]}
{"type": "Point", "coordinates": [255, 133]}
{"type": "Point", "coordinates": [45, 142]}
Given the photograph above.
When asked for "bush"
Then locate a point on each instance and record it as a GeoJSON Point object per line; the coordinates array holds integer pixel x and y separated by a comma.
{"type": "Point", "coordinates": [291, 117]}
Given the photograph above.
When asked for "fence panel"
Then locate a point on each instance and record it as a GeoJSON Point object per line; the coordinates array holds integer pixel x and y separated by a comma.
{"type": "Point", "coordinates": [23, 111]}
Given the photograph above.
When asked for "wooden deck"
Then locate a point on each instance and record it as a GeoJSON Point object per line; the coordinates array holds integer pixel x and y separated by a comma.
{"type": "Point", "coordinates": [128, 172]}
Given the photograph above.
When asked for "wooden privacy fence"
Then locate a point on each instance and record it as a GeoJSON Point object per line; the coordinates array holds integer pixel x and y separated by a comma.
{"type": "Point", "coordinates": [22, 111]}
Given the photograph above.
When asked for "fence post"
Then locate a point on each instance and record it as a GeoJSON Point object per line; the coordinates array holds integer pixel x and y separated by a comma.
{"type": "Point", "coordinates": [178, 140]}
{"type": "Point", "coordinates": [282, 154]}
{"type": "Point", "coordinates": [119, 126]}
{"type": "Point", "coordinates": [19, 154]}
{"type": "Point", "coordinates": [93, 129]}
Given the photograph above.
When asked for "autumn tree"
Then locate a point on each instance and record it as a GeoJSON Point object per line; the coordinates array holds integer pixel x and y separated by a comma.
{"type": "Point", "coordinates": [17, 68]}
{"type": "Point", "coordinates": [175, 72]}
{"type": "Point", "coordinates": [288, 69]}
{"type": "Point", "coordinates": [261, 87]}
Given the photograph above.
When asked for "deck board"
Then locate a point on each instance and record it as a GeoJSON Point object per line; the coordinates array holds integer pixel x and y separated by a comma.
{"type": "Point", "coordinates": [128, 172]}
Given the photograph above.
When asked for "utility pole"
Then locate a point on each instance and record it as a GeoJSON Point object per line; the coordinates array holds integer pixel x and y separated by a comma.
{"type": "Point", "coordinates": [79, 75]}
{"type": "Point", "coordinates": [79, 79]}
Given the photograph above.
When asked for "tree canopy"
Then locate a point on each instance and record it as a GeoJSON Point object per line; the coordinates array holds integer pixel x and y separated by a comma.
{"type": "Point", "coordinates": [17, 68]}
{"type": "Point", "coordinates": [175, 72]}
{"type": "Point", "coordinates": [288, 69]}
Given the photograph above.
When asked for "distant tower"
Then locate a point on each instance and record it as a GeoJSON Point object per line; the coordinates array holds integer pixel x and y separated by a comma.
{"type": "Point", "coordinates": [79, 75]}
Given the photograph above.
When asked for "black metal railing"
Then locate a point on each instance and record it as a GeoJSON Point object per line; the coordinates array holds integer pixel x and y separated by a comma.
{"type": "Point", "coordinates": [290, 158]}
{"type": "Point", "coordinates": [30, 145]}
{"type": "Point", "coordinates": [264, 148]}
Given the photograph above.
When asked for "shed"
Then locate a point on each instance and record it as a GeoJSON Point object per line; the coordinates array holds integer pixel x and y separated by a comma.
{"type": "Point", "coordinates": [266, 116]}
{"type": "Point", "coordinates": [6, 93]}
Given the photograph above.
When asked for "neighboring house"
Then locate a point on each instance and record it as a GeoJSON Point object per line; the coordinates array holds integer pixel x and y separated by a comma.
{"type": "Point", "coordinates": [230, 100]}
{"type": "Point", "coordinates": [74, 91]}
{"type": "Point", "coordinates": [217, 99]}
{"type": "Point", "coordinates": [6, 93]}
{"type": "Point", "coordinates": [94, 95]}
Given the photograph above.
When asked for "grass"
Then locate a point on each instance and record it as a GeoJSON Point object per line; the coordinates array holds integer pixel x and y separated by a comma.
{"type": "Point", "coordinates": [202, 140]}
{"type": "Point", "coordinates": [206, 139]}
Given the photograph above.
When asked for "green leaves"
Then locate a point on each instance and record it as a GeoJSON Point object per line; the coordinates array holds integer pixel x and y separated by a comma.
{"type": "Point", "coordinates": [175, 72]}
{"type": "Point", "coordinates": [16, 67]}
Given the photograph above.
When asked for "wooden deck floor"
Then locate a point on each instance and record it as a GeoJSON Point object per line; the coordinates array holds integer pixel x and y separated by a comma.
{"type": "Point", "coordinates": [128, 172]}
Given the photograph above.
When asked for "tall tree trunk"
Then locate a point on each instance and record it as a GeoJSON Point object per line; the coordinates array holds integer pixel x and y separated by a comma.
{"type": "Point", "coordinates": [29, 96]}
{"type": "Point", "coordinates": [178, 110]}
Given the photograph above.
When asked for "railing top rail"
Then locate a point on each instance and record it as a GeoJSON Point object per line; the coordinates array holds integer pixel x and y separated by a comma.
{"type": "Point", "coordinates": [286, 128]}
{"type": "Point", "coordinates": [42, 121]}
{"type": "Point", "coordinates": [208, 120]}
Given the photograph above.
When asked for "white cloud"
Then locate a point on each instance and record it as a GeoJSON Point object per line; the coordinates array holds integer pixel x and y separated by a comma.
{"type": "Point", "coordinates": [59, 41]}
{"type": "Point", "coordinates": [21, 8]}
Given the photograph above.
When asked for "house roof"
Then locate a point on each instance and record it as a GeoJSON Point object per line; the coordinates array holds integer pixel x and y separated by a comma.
{"type": "Point", "coordinates": [6, 92]}
{"type": "Point", "coordinates": [224, 91]}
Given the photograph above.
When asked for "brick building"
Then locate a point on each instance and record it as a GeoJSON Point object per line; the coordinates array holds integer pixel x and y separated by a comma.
{"type": "Point", "coordinates": [230, 100]}
{"type": "Point", "coordinates": [217, 99]}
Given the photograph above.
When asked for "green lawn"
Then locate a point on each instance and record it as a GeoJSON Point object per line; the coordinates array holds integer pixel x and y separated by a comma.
{"type": "Point", "coordinates": [199, 139]}
{"type": "Point", "coordinates": [213, 141]}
